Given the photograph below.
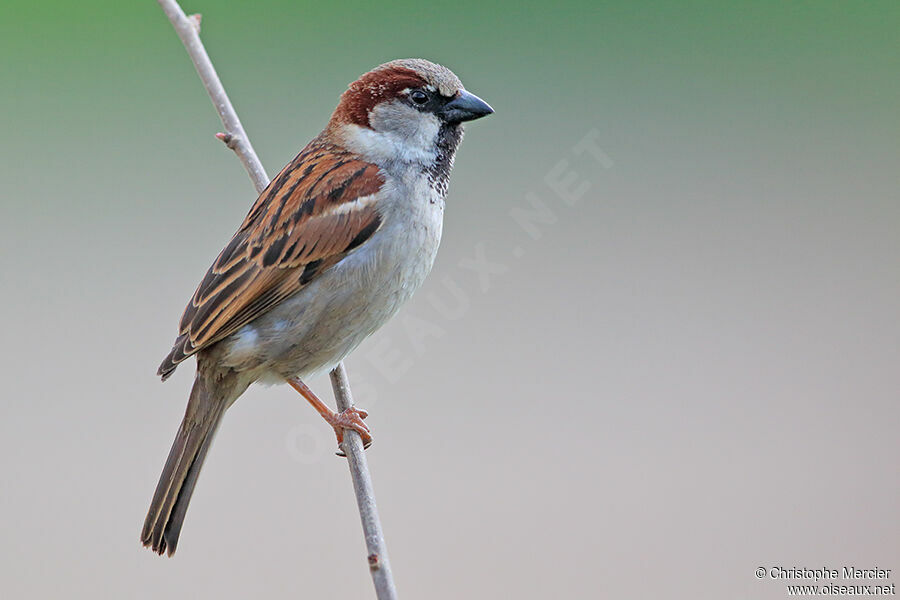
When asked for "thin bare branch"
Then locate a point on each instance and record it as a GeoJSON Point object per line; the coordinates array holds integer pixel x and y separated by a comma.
{"type": "Point", "coordinates": [365, 494]}
{"type": "Point", "coordinates": [188, 29]}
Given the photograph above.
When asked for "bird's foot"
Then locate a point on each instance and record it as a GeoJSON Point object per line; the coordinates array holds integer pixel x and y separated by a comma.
{"type": "Point", "coordinates": [351, 419]}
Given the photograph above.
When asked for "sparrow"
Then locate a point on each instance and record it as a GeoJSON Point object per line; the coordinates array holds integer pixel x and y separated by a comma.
{"type": "Point", "coordinates": [328, 253]}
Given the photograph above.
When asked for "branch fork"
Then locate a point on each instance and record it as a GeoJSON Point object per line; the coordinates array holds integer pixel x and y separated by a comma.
{"type": "Point", "coordinates": [228, 139]}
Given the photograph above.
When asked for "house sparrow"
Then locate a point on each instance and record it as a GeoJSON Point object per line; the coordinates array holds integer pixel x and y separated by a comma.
{"type": "Point", "coordinates": [333, 246]}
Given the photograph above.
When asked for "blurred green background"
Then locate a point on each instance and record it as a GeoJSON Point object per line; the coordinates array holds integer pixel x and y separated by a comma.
{"type": "Point", "coordinates": [690, 373]}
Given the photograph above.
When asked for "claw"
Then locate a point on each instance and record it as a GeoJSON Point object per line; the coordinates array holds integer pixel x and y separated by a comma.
{"type": "Point", "coordinates": [352, 419]}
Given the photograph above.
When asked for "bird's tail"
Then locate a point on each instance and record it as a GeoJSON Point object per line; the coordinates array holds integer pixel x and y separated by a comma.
{"type": "Point", "coordinates": [210, 397]}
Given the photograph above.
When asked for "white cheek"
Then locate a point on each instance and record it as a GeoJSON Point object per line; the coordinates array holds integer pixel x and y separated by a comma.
{"type": "Point", "coordinates": [399, 133]}
{"type": "Point", "coordinates": [420, 130]}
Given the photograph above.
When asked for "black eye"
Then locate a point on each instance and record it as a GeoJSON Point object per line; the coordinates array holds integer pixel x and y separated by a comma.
{"type": "Point", "coordinates": [418, 96]}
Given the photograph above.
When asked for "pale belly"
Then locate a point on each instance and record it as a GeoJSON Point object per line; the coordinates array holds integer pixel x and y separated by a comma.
{"type": "Point", "coordinates": [316, 328]}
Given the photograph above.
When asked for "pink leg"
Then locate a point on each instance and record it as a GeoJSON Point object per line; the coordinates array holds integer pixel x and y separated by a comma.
{"type": "Point", "coordinates": [352, 418]}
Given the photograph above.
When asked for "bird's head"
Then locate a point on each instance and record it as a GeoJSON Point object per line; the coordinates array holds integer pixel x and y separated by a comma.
{"type": "Point", "coordinates": [405, 111]}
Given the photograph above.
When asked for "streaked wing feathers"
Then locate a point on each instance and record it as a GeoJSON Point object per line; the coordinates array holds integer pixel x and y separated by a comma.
{"type": "Point", "coordinates": [319, 208]}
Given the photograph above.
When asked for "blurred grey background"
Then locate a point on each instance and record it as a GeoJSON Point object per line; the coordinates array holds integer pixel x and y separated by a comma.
{"type": "Point", "coordinates": [659, 348]}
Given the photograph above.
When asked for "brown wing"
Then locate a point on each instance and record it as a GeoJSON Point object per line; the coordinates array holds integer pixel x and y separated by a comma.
{"type": "Point", "coordinates": [308, 218]}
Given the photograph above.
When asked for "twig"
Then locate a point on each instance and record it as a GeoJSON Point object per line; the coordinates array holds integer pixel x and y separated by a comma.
{"type": "Point", "coordinates": [188, 29]}
{"type": "Point", "coordinates": [365, 495]}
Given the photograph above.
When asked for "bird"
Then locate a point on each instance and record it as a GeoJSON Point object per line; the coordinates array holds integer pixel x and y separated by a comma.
{"type": "Point", "coordinates": [328, 253]}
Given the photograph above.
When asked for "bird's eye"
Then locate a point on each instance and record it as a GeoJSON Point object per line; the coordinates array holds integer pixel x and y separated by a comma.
{"type": "Point", "coordinates": [418, 96]}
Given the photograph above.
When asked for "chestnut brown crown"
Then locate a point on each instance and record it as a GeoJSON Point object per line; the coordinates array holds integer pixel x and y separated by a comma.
{"type": "Point", "coordinates": [427, 86]}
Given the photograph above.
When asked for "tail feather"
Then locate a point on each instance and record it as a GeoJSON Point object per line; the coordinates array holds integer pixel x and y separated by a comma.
{"type": "Point", "coordinates": [205, 409]}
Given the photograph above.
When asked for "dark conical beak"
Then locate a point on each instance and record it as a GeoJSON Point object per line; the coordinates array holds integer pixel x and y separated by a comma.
{"type": "Point", "coordinates": [465, 107]}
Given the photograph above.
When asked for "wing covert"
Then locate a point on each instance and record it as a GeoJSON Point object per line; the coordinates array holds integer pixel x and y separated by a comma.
{"type": "Point", "coordinates": [319, 208]}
